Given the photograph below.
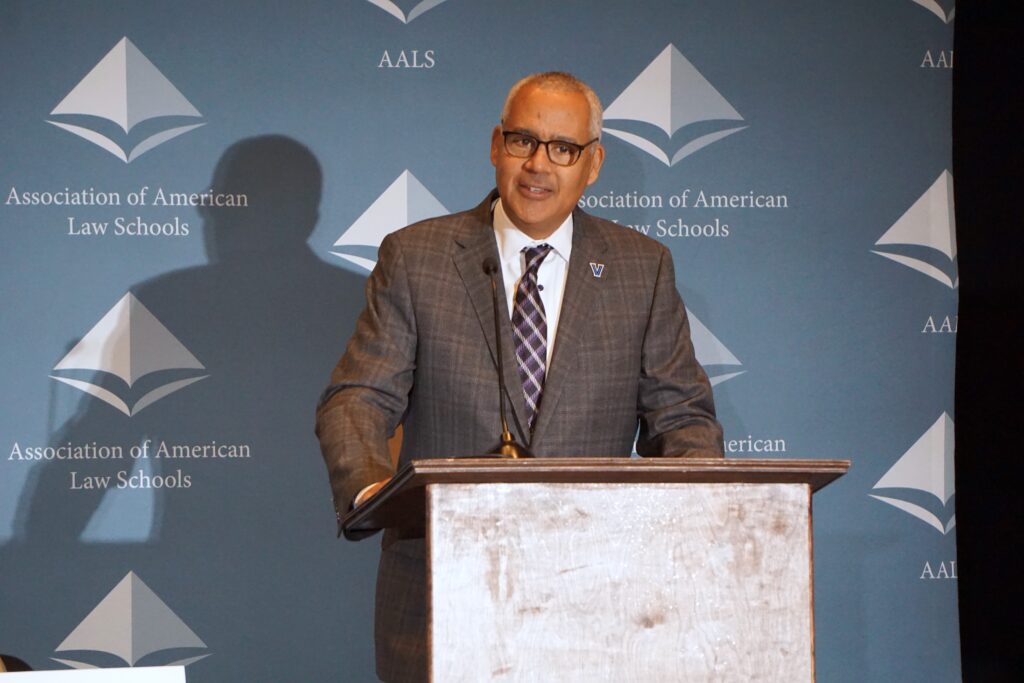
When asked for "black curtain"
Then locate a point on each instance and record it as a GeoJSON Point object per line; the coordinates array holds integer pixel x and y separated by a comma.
{"type": "Point", "coordinates": [989, 190]}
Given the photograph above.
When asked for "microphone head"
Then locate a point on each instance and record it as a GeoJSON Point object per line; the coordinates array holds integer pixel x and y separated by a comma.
{"type": "Point", "coordinates": [490, 265]}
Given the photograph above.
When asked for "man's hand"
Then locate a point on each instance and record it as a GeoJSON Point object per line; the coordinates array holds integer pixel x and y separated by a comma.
{"type": "Point", "coordinates": [369, 492]}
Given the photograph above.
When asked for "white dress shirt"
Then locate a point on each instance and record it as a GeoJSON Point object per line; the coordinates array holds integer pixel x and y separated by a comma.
{"type": "Point", "coordinates": [551, 275]}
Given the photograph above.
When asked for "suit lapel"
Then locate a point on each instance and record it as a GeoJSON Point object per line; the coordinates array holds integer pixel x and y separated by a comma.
{"type": "Point", "coordinates": [473, 245]}
{"type": "Point", "coordinates": [582, 286]}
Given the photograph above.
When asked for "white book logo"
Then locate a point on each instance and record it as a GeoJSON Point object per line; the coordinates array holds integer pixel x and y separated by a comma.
{"type": "Point", "coordinates": [396, 11]}
{"type": "Point", "coordinates": [125, 89]}
{"type": "Point", "coordinates": [668, 96]}
{"type": "Point", "coordinates": [405, 201]}
{"type": "Point", "coordinates": [712, 353]}
{"type": "Point", "coordinates": [925, 234]}
{"type": "Point", "coordinates": [130, 623]}
{"type": "Point", "coordinates": [936, 9]}
{"type": "Point", "coordinates": [927, 467]}
{"type": "Point", "coordinates": [130, 344]}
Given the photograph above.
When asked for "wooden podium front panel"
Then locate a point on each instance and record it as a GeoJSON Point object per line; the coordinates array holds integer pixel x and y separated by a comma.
{"type": "Point", "coordinates": [625, 582]}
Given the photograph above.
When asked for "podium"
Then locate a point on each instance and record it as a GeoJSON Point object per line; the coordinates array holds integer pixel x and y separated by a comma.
{"type": "Point", "coordinates": [590, 569]}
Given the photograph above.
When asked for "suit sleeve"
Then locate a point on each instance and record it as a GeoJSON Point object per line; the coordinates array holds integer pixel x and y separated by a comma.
{"type": "Point", "coordinates": [361, 408]}
{"type": "Point", "coordinates": [675, 405]}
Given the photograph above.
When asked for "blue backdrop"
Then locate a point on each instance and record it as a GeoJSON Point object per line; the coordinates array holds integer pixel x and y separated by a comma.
{"type": "Point", "coordinates": [193, 195]}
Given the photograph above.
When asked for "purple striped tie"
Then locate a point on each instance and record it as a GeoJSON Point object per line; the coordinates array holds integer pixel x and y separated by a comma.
{"type": "Point", "coordinates": [530, 324]}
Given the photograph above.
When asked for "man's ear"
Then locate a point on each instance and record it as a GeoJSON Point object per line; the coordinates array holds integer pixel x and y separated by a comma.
{"type": "Point", "coordinates": [496, 144]}
{"type": "Point", "coordinates": [596, 160]}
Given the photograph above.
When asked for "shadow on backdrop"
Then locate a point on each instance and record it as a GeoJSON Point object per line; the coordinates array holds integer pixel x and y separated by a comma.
{"type": "Point", "coordinates": [242, 549]}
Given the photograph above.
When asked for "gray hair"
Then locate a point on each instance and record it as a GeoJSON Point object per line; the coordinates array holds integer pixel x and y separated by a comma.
{"type": "Point", "coordinates": [559, 81]}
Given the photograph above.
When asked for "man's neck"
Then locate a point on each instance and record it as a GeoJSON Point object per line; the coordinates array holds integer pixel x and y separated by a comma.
{"type": "Point", "coordinates": [505, 220]}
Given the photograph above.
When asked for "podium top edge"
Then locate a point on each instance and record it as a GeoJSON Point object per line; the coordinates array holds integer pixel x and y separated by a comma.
{"type": "Point", "coordinates": [402, 498]}
{"type": "Point", "coordinates": [816, 473]}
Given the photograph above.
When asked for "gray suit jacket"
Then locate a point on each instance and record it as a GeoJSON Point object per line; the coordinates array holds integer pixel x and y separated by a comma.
{"type": "Point", "coordinates": [424, 355]}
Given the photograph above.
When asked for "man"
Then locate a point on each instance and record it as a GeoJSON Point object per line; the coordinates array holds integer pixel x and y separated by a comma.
{"type": "Point", "coordinates": [597, 345]}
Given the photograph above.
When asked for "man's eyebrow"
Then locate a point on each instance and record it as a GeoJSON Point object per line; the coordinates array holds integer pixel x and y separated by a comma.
{"type": "Point", "coordinates": [557, 138]}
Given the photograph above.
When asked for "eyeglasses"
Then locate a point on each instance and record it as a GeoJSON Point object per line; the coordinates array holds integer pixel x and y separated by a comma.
{"type": "Point", "coordinates": [560, 152]}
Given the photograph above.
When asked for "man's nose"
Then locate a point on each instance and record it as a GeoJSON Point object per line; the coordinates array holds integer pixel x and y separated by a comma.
{"type": "Point", "coordinates": [538, 161]}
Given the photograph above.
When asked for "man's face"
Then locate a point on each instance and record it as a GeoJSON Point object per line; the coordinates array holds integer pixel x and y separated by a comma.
{"type": "Point", "coordinates": [537, 194]}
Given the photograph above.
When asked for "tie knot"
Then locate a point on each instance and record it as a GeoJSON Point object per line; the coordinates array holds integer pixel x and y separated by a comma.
{"type": "Point", "coordinates": [534, 255]}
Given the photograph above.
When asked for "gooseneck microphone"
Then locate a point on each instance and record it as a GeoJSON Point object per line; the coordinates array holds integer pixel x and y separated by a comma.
{"type": "Point", "coordinates": [509, 447]}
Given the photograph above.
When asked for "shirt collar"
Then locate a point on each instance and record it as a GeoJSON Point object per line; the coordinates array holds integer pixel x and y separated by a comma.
{"type": "Point", "coordinates": [511, 240]}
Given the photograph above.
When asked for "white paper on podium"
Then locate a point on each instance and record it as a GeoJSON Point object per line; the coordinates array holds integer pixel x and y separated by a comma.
{"type": "Point", "coordinates": [141, 674]}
